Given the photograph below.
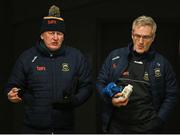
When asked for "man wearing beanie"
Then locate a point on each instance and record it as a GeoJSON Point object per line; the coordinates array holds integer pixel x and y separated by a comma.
{"type": "Point", "coordinates": [51, 79]}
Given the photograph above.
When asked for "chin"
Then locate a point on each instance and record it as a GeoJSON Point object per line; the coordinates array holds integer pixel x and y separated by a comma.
{"type": "Point", "coordinates": [54, 48]}
{"type": "Point", "coordinates": [140, 51]}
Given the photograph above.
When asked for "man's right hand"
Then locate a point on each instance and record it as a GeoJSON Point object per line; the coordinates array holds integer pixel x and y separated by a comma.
{"type": "Point", "coordinates": [118, 102]}
{"type": "Point", "coordinates": [13, 95]}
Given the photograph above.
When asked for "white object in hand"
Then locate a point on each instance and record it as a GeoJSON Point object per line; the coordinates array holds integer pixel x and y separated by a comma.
{"type": "Point", "coordinates": [126, 92]}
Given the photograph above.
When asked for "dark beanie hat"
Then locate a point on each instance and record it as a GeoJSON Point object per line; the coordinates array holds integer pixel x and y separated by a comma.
{"type": "Point", "coordinates": [53, 22]}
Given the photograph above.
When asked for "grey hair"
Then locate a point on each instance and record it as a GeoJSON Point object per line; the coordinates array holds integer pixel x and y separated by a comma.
{"type": "Point", "coordinates": [143, 21]}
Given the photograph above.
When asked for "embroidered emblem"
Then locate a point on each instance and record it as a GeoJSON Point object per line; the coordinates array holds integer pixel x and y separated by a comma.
{"type": "Point", "coordinates": [157, 72]}
{"type": "Point", "coordinates": [65, 67]}
{"type": "Point", "coordinates": [40, 68]}
{"type": "Point", "coordinates": [146, 76]}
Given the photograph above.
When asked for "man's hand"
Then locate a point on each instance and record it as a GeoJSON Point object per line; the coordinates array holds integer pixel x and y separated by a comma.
{"type": "Point", "coordinates": [13, 95]}
{"type": "Point", "coordinates": [118, 102]}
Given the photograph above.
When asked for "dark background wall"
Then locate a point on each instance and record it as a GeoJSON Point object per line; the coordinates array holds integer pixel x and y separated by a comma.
{"type": "Point", "coordinates": [93, 26]}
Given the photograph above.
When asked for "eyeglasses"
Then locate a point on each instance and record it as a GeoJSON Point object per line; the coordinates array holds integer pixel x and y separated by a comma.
{"type": "Point", "coordinates": [144, 37]}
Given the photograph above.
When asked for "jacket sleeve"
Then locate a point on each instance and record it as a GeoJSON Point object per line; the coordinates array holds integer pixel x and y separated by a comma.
{"type": "Point", "coordinates": [103, 79]}
{"type": "Point", "coordinates": [17, 77]}
{"type": "Point", "coordinates": [171, 92]}
{"type": "Point", "coordinates": [83, 83]}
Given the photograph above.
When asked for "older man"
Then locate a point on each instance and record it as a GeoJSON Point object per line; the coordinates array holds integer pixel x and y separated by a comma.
{"type": "Point", "coordinates": [51, 79]}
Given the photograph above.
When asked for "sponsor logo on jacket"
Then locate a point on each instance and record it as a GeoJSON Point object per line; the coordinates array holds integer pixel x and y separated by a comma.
{"type": "Point", "coordinates": [40, 68]}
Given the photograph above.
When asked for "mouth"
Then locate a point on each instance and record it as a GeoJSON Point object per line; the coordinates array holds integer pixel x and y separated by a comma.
{"type": "Point", "coordinates": [140, 46]}
{"type": "Point", "coordinates": [54, 43]}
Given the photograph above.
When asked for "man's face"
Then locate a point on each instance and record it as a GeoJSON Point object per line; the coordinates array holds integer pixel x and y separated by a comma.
{"type": "Point", "coordinates": [52, 39]}
{"type": "Point", "coordinates": [142, 37]}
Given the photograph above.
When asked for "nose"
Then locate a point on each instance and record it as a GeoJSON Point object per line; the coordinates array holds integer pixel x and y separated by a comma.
{"type": "Point", "coordinates": [55, 36]}
{"type": "Point", "coordinates": [141, 39]}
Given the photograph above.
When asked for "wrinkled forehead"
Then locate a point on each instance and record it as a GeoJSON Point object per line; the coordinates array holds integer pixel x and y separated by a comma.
{"type": "Point", "coordinates": [143, 29]}
{"type": "Point", "coordinates": [144, 25]}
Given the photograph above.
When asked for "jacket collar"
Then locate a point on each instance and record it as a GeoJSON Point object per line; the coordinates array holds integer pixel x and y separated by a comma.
{"type": "Point", "coordinates": [149, 55]}
{"type": "Point", "coordinates": [45, 51]}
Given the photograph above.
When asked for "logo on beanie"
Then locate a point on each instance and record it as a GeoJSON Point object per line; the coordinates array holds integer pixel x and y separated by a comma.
{"type": "Point", "coordinates": [52, 22]}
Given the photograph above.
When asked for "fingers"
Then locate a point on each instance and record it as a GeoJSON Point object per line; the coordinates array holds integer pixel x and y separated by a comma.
{"type": "Point", "coordinates": [119, 94]}
{"type": "Point", "coordinates": [119, 101]}
{"type": "Point", "coordinates": [13, 95]}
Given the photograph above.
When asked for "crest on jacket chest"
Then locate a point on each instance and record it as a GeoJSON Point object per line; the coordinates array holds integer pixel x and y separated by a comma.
{"type": "Point", "coordinates": [157, 72]}
{"type": "Point", "coordinates": [65, 67]}
{"type": "Point", "coordinates": [146, 76]}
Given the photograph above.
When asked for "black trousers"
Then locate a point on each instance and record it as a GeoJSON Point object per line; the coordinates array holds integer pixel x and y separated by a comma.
{"type": "Point", "coordinates": [148, 128]}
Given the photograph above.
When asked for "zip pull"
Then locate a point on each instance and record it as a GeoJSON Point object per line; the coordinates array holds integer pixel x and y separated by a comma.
{"type": "Point", "coordinates": [35, 57]}
{"type": "Point", "coordinates": [51, 55]}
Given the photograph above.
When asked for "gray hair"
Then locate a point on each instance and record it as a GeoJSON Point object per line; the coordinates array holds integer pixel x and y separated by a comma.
{"type": "Point", "coordinates": [143, 21]}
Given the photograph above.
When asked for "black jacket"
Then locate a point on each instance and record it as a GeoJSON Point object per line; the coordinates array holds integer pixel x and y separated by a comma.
{"type": "Point", "coordinates": [163, 84]}
{"type": "Point", "coordinates": [52, 85]}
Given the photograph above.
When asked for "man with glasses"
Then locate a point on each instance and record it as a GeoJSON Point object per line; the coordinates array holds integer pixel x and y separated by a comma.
{"type": "Point", "coordinates": [153, 91]}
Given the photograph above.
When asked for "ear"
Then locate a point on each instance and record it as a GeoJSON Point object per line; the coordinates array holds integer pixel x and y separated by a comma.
{"type": "Point", "coordinates": [41, 37]}
{"type": "Point", "coordinates": [132, 34]}
{"type": "Point", "coordinates": [154, 36]}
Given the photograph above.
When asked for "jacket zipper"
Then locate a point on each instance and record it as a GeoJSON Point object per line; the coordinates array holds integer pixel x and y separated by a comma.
{"type": "Point", "coordinates": [53, 88]}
